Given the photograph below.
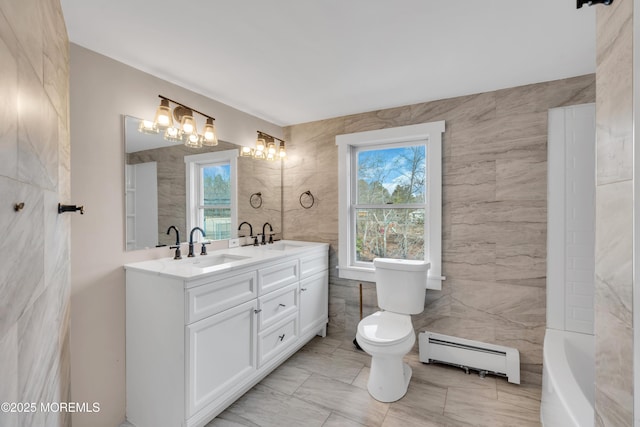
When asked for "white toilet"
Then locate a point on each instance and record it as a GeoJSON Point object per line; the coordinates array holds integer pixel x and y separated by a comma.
{"type": "Point", "coordinates": [388, 335]}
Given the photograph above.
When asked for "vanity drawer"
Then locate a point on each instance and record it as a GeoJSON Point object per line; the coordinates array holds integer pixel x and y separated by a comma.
{"type": "Point", "coordinates": [277, 305]}
{"type": "Point", "coordinates": [218, 295]}
{"type": "Point", "coordinates": [277, 276]}
{"type": "Point", "coordinates": [277, 339]}
{"type": "Point", "coordinates": [314, 263]}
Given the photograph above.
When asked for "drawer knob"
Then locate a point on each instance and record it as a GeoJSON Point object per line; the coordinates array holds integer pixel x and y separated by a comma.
{"type": "Point", "coordinates": [303, 289]}
{"type": "Point", "coordinates": [281, 337]}
{"type": "Point", "coordinates": [282, 305]}
{"type": "Point", "coordinates": [257, 311]}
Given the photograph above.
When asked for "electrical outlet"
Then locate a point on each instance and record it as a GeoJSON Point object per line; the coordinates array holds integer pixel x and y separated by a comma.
{"type": "Point", "coordinates": [234, 243]}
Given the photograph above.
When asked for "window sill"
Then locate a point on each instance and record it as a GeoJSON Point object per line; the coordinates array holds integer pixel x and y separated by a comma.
{"type": "Point", "coordinates": [357, 273]}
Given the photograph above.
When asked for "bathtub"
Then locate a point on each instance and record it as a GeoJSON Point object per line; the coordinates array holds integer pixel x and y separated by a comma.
{"type": "Point", "coordinates": [568, 374]}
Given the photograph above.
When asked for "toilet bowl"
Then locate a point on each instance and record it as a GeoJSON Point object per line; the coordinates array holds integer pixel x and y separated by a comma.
{"type": "Point", "coordinates": [388, 335]}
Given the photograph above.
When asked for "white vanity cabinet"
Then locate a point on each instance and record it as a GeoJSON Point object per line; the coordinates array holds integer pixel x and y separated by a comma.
{"type": "Point", "coordinates": [197, 342]}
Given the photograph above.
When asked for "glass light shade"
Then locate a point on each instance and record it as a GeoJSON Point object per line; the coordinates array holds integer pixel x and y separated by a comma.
{"type": "Point", "coordinates": [188, 123]}
{"type": "Point", "coordinates": [193, 140]}
{"type": "Point", "coordinates": [209, 136]}
{"type": "Point", "coordinates": [271, 148]}
{"type": "Point", "coordinates": [282, 152]}
{"type": "Point", "coordinates": [164, 117]}
{"type": "Point", "coordinates": [259, 155]}
{"type": "Point", "coordinates": [147, 126]}
{"type": "Point", "coordinates": [260, 144]}
{"type": "Point", "coordinates": [173, 134]}
{"type": "Point", "coordinates": [246, 152]}
{"type": "Point", "coordinates": [271, 156]}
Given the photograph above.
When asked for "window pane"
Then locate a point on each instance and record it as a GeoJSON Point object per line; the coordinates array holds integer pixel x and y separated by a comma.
{"type": "Point", "coordinates": [392, 175]}
{"type": "Point", "coordinates": [217, 223]}
{"type": "Point", "coordinates": [216, 181]}
{"type": "Point", "coordinates": [389, 233]}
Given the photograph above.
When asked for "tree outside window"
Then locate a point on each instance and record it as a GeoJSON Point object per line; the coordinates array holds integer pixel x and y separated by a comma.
{"type": "Point", "coordinates": [389, 206]}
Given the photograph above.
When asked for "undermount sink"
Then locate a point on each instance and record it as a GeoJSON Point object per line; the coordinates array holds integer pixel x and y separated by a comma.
{"type": "Point", "coordinates": [282, 246]}
{"type": "Point", "coordinates": [212, 260]}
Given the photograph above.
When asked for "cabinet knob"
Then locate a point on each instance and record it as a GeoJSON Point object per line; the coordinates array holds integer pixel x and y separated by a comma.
{"type": "Point", "coordinates": [303, 289]}
{"type": "Point", "coordinates": [281, 337]}
{"type": "Point", "coordinates": [282, 305]}
{"type": "Point", "coordinates": [257, 310]}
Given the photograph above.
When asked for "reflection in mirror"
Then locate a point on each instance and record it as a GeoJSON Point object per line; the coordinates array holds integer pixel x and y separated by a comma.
{"type": "Point", "coordinates": [156, 189]}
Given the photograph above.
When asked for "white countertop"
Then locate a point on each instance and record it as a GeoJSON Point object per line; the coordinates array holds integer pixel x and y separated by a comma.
{"type": "Point", "coordinates": [223, 260]}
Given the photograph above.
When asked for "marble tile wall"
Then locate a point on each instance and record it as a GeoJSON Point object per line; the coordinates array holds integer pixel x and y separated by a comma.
{"type": "Point", "coordinates": [253, 176]}
{"type": "Point", "coordinates": [494, 210]}
{"type": "Point", "coordinates": [34, 250]}
{"type": "Point", "coordinates": [614, 215]}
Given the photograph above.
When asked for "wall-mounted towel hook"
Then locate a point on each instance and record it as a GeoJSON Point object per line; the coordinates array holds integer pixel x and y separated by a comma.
{"type": "Point", "coordinates": [70, 208]}
{"type": "Point", "coordinates": [255, 200]}
{"type": "Point", "coordinates": [309, 200]}
{"type": "Point", "coordinates": [18, 206]}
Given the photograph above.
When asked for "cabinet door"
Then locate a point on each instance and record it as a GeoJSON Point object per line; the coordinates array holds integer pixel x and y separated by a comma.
{"type": "Point", "coordinates": [314, 307]}
{"type": "Point", "coordinates": [221, 353]}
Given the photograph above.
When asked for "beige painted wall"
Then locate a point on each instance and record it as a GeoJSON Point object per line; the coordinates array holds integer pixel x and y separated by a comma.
{"type": "Point", "coordinates": [614, 215]}
{"type": "Point", "coordinates": [494, 211]}
{"type": "Point", "coordinates": [34, 249]}
{"type": "Point", "coordinates": [102, 90]}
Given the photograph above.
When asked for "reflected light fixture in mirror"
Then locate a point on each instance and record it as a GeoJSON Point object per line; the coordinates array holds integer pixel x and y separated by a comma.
{"type": "Point", "coordinates": [265, 148]}
{"type": "Point", "coordinates": [187, 132]}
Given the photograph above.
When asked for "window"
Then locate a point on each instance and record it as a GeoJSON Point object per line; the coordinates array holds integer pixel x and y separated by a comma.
{"type": "Point", "coordinates": [211, 193]}
{"type": "Point", "coordinates": [390, 198]}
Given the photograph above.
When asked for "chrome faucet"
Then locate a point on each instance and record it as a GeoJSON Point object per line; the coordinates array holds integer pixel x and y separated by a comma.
{"type": "Point", "coordinates": [191, 239]}
{"type": "Point", "coordinates": [270, 233]}
{"type": "Point", "coordinates": [178, 255]}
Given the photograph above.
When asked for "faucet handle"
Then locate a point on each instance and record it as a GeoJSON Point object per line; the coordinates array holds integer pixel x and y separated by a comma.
{"type": "Point", "coordinates": [178, 254]}
{"type": "Point", "coordinates": [203, 250]}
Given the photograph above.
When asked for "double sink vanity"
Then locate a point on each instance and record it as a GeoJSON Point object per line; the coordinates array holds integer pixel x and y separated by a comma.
{"type": "Point", "coordinates": [202, 331]}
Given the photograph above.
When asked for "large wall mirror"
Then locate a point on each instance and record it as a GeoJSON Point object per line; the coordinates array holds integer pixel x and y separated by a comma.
{"type": "Point", "coordinates": [156, 189]}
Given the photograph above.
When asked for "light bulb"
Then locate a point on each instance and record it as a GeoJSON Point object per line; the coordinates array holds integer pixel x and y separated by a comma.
{"type": "Point", "coordinates": [209, 133]}
{"type": "Point", "coordinates": [147, 126]}
{"type": "Point", "coordinates": [193, 140]}
{"type": "Point", "coordinates": [163, 117]}
{"type": "Point", "coordinates": [188, 124]}
{"type": "Point", "coordinates": [173, 134]}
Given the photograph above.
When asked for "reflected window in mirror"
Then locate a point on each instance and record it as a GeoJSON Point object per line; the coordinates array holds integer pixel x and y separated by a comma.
{"type": "Point", "coordinates": [211, 193]}
{"type": "Point", "coordinates": [170, 189]}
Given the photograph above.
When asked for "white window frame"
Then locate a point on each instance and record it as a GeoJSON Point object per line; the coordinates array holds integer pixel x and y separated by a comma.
{"type": "Point", "coordinates": [193, 165]}
{"type": "Point", "coordinates": [429, 134]}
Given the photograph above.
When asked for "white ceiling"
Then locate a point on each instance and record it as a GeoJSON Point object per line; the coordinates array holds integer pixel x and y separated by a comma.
{"type": "Point", "coordinates": [294, 61]}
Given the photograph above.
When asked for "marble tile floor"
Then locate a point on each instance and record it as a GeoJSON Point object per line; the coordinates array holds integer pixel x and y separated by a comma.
{"type": "Point", "coordinates": [325, 384]}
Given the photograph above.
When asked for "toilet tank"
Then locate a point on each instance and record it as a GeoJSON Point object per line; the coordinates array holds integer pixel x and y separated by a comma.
{"type": "Point", "coordinates": [401, 284]}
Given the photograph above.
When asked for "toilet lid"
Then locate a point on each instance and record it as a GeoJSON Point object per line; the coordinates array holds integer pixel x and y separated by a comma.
{"type": "Point", "coordinates": [385, 327]}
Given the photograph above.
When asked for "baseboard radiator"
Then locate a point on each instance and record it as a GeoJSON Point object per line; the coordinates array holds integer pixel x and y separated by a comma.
{"type": "Point", "coordinates": [470, 355]}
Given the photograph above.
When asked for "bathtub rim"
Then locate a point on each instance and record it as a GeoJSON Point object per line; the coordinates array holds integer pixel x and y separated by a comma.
{"type": "Point", "coordinates": [559, 372]}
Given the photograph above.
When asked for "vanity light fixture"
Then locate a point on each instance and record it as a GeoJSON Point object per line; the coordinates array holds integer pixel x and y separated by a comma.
{"type": "Point", "coordinates": [163, 118]}
{"type": "Point", "coordinates": [209, 136]}
{"type": "Point", "coordinates": [265, 148]}
{"type": "Point", "coordinates": [246, 152]}
{"type": "Point", "coordinates": [186, 131]}
{"type": "Point", "coordinates": [147, 126]}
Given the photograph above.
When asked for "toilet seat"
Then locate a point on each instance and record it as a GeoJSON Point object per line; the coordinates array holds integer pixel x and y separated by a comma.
{"type": "Point", "coordinates": [384, 328]}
